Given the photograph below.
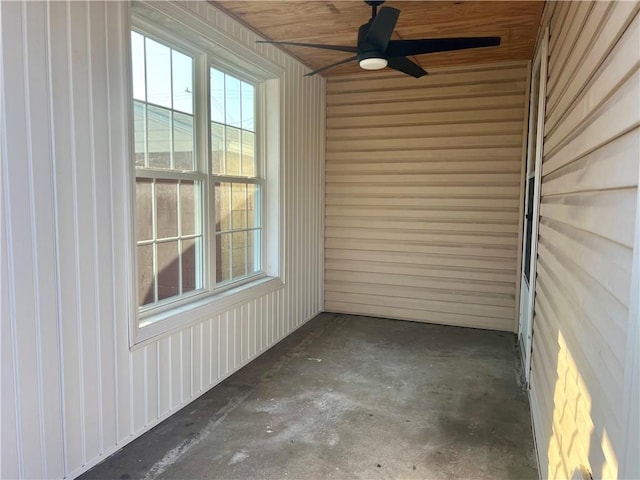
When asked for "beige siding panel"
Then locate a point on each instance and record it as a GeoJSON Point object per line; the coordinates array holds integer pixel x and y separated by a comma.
{"type": "Point", "coordinates": [437, 155]}
{"type": "Point", "coordinates": [422, 195]}
{"type": "Point", "coordinates": [428, 226]}
{"type": "Point", "coordinates": [600, 213]}
{"type": "Point", "coordinates": [433, 118]}
{"type": "Point", "coordinates": [615, 117]}
{"type": "Point", "coordinates": [73, 392]}
{"type": "Point", "coordinates": [392, 246]}
{"type": "Point", "coordinates": [383, 310]}
{"type": "Point", "coordinates": [435, 92]}
{"type": "Point", "coordinates": [458, 129]}
{"type": "Point", "coordinates": [615, 71]}
{"type": "Point", "coordinates": [613, 166]}
{"type": "Point", "coordinates": [437, 78]}
{"type": "Point", "coordinates": [504, 192]}
{"type": "Point", "coordinates": [372, 107]}
{"type": "Point", "coordinates": [434, 270]}
{"type": "Point", "coordinates": [420, 167]}
{"type": "Point", "coordinates": [442, 284]}
{"type": "Point", "coordinates": [587, 228]}
{"type": "Point", "coordinates": [595, 53]}
{"type": "Point", "coordinates": [602, 259]}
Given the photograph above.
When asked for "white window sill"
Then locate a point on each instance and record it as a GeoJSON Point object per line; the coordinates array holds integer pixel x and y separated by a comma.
{"type": "Point", "coordinates": [169, 321]}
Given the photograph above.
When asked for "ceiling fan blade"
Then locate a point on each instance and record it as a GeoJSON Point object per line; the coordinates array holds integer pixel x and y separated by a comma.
{"type": "Point", "coordinates": [382, 27]}
{"type": "Point", "coordinates": [404, 65]}
{"type": "Point", "coordinates": [403, 48]}
{"type": "Point", "coordinates": [341, 62]}
{"type": "Point", "coordinates": [340, 48]}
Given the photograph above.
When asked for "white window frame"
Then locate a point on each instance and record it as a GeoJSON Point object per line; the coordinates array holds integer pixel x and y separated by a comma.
{"type": "Point", "coordinates": [181, 29]}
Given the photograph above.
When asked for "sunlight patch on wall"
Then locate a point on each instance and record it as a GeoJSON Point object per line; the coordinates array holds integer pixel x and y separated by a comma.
{"type": "Point", "coordinates": [570, 445]}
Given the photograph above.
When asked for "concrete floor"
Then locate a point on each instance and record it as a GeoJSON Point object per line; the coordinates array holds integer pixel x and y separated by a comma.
{"type": "Point", "coordinates": [351, 397]}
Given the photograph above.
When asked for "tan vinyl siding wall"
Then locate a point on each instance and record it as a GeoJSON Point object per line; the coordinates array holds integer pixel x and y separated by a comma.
{"type": "Point", "coordinates": [423, 195]}
{"type": "Point", "coordinates": [588, 211]}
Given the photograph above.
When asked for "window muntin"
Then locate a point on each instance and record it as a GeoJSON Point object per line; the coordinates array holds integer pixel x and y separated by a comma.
{"type": "Point", "coordinates": [174, 197]}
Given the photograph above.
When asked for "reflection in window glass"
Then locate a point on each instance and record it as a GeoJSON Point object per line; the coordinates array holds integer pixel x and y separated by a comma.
{"type": "Point", "coordinates": [239, 230]}
{"type": "Point", "coordinates": [159, 136]}
{"type": "Point", "coordinates": [233, 116]}
{"type": "Point", "coordinates": [189, 271]}
{"type": "Point", "coordinates": [217, 96]}
{"type": "Point", "coordinates": [252, 213]}
{"type": "Point", "coordinates": [232, 152]}
{"type": "Point", "coordinates": [158, 69]}
{"type": "Point", "coordinates": [248, 107]}
{"type": "Point", "coordinates": [223, 207]}
{"type": "Point", "coordinates": [223, 257]}
{"type": "Point", "coordinates": [239, 257]}
{"type": "Point", "coordinates": [232, 113]}
{"type": "Point", "coordinates": [140, 133]}
{"type": "Point", "coordinates": [168, 270]}
{"type": "Point", "coordinates": [144, 209]}
{"type": "Point", "coordinates": [182, 78]}
{"type": "Point", "coordinates": [146, 278]}
{"type": "Point", "coordinates": [137, 64]}
{"type": "Point", "coordinates": [217, 148]}
{"type": "Point", "coordinates": [248, 154]}
{"type": "Point", "coordinates": [166, 209]}
{"type": "Point", "coordinates": [253, 251]}
{"type": "Point", "coordinates": [188, 207]}
{"type": "Point", "coordinates": [182, 141]}
{"type": "Point", "coordinates": [239, 206]}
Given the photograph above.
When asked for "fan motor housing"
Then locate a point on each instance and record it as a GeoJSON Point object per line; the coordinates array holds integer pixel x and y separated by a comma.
{"type": "Point", "coordinates": [365, 49]}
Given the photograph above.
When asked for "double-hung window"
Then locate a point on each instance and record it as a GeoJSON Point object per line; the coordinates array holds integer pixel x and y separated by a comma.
{"type": "Point", "coordinates": [199, 175]}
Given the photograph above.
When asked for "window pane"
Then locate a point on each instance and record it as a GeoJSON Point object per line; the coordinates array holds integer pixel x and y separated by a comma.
{"type": "Point", "coordinates": [137, 66]}
{"type": "Point", "coordinates": [232, 101]}
{"type": "Point", "coordinates": [182, 82]}
{"type": "Point", "coordinates": [144, 209]}
{"type": "Point", "coordinates": [182, 141]}
{"type": "Point", "coordinates": [239, 267]}
{"type": "Point", "coordinates": [232, 151]}
{"type": "Point", "coordinates": [253, 251]}
{"type": "Point", "coordinates": [139, 132]}
{"type": "Point", "coordinates": [159, 136]}
{"type": "Point", "coordinates": [248, 158]}
{"type": "Point", "coordinates": [188, 265]}
{"type": "Point", "coordinates": [239, 205]}
{"type": "Point", "coordinates": [158, 73]}
{"type": "Point", "coordinates": [253, 215]}
{"type": "Point", "coordinates": [168, 270]}
{"type": "Point", "coordinates": [166, 208]}
{"type": "Point", "coordinates": [217, 95]}
{"type": "Point", "coordinates": [223, 206]}
{"type": "Point", "coordinates": [146, 285]}
{"type": "Point", "coordinates": [223, 257]}
{"type": "Point", "coordinates": [217, 148]}
{"type": "Point", "coordinates": [188, 210]}
{"type": "Point", "coordinates": [248, 107]}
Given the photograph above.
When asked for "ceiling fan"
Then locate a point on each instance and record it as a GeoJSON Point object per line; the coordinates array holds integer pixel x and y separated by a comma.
{"type": "Point", "coordinates": [376, 50]}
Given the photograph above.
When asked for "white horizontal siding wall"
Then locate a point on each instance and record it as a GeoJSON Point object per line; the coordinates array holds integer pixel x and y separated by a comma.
{"type": "Point", "coordinates": [587, 224]}
{"type": "Point", "coordinates": [423, 185]}
{"type": "Point", "coordinates": [72, 391]}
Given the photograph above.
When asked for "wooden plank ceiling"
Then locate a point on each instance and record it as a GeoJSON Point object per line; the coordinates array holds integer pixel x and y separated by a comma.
{"type": "Point", "coordinates": [337, 21]}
